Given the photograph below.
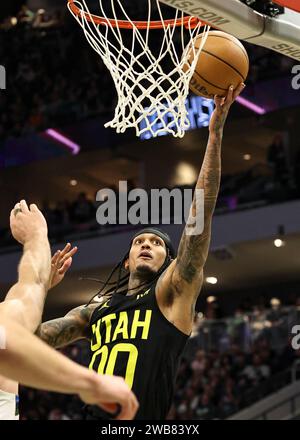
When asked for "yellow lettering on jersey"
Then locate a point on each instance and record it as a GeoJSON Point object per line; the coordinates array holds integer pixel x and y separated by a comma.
{"type": "Point", "coordinates": [132, 360]}
{"type": "Point", "coordinates": [143, 294]}
{"type": "Point", "coordinates": [104, 355]}
{"type": "Point", "coordinates": [122, 326]}
{"type": "Point", "coordinates": [96, 333]}
{"type": "Point", "coordinates": [107, 319]}
{"type": "Point", "coordinates": [144, 324]}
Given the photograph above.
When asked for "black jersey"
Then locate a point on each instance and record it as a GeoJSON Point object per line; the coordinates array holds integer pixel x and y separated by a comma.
{"type": "Point", "coordinates": [130, 337]}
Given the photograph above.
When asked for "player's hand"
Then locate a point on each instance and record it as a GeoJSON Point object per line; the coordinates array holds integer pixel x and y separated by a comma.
{"type": "Point", "coordinates": [111, 393]}
{"type": "Point", "coordinates": [223, 105]}
{"type": "Point", "coordinates": [60, 264]}
{"type": "Point", "coordinates": [27, 223]}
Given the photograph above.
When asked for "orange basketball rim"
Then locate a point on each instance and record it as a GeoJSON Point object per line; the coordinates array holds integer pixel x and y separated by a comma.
{"type": "Point", "coordinates": [188, 21]}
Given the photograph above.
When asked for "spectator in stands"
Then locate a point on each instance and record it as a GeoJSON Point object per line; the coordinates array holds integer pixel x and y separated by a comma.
{"type": "Point", "coordinates": [42, 20]}
{"type": "Point", "coordinates": [200, 362]}
{"type": "Point", "coordinates": [205, 409]}
{"type": "Point", "coordinates": [257, 371]}
{"type": "Point", "coordinates": [277, 159]}
{"type": "Point", "coordinates": [48, 212]}
{"type": "Point", "coordinates": [228, 403]}
{"type": "Point", "coordinates": [25, 15]}
{"type": "Point", "coordinates": [288, 355]}
{"type": "Point", "coordinates": [213, 308]}
{"type": "Point", "coordinates": [62, 213]}
{"type": "Point", "coordinates": [82, 210]}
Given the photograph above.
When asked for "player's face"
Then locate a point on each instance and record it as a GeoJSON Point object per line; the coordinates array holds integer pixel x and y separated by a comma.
{"type": "Point", "coordinates": [147, 254]}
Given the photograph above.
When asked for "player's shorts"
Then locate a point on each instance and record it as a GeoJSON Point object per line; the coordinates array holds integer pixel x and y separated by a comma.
{"type": "Point", "coordinates": [9, 406]}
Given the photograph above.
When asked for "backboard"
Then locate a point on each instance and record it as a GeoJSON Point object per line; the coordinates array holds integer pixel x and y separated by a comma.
{"type": "Point", "coordinates": [281, 34]}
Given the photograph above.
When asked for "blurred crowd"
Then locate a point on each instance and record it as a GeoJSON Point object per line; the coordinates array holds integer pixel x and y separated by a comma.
{"type": "Point", "coordinates": [217, 385]}
{"type": "Point", "coordinates": [39, 19]}
{"type": "Point", "coordinates": [54, 78]}
{"type": "Point", "coordinates": [275, 180]}
{"type": "Point", "coordinates": [214, 380]}
{"type": "Point", "coordinates": [233, 362]}
{"type": "Point", "coordinates": [262, 184]}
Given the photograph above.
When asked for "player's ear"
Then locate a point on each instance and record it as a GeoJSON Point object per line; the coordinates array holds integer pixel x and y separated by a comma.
{"type": "Point", "coordinates": [126, 264]}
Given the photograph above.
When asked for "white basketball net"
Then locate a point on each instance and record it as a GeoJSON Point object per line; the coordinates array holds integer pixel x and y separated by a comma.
{"type": "Point", "coordinates": [149, 99]}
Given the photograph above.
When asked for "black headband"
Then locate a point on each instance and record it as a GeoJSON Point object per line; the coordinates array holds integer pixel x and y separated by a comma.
{"type": "Point", "coordinates": [163, 235]}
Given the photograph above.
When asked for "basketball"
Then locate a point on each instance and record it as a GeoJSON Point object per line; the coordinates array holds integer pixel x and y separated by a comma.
{"type": "Point", "coordinates": [222, 62]}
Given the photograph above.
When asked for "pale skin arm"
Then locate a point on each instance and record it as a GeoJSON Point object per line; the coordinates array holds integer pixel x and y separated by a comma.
{"type": "Point", "coordinates": [24, 358]}
{"type": "Point", "coordinates": [25, 299]}
{"type": "Point", "coordinates": [24, 302]}
{"type": "Point", "coordinates": [184, 277]}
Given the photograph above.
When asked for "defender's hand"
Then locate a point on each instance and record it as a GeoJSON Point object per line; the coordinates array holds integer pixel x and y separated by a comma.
{"type": "Point", "coordinates": [111, 393]}
{"type": "Point", "coordinates": [27, 224]}
{"type": "Point", "coordinates": [60, 264]}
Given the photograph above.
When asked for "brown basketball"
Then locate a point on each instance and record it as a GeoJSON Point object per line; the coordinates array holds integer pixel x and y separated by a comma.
{"type": "Point", "coordinates": [222, 62]}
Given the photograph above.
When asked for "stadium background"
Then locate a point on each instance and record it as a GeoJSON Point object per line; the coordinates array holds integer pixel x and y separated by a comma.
{"type": "Point", "coordinates": [55, 152]}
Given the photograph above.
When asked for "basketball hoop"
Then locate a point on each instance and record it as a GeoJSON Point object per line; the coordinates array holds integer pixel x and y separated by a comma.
{"type": "Point", "coordinates": [150, 97]}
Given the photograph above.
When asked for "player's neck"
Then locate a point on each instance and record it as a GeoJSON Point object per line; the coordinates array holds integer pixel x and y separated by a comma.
{"type": "Point", "coordinates": [135, 282]}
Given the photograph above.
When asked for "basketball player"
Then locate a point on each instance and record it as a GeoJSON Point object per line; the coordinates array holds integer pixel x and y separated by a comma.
{"type": "Point", "coordinates": [140, 329]}
{"type": "Point", "coordinates": [22, 356]}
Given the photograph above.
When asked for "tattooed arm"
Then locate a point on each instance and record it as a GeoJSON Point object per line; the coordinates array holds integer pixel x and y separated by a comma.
{"type": "Point", "coordinates": [72, 327]}
{"type": "Point", "coordinates": [193, 248]}
{"type": "Point", "coordinates": [182, 281]}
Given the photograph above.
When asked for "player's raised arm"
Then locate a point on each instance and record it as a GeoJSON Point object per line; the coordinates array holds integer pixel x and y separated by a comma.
{"type": "Point", "coordinates": [193, 248]}
{"type": "Point", "coordinates": [183, 279]}
{"type": "Point", "coordinates": [25, 300]}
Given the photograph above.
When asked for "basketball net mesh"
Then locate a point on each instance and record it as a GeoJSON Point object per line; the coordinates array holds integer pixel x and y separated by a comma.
{"type": "Point", "coordinates": [150, 99]}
